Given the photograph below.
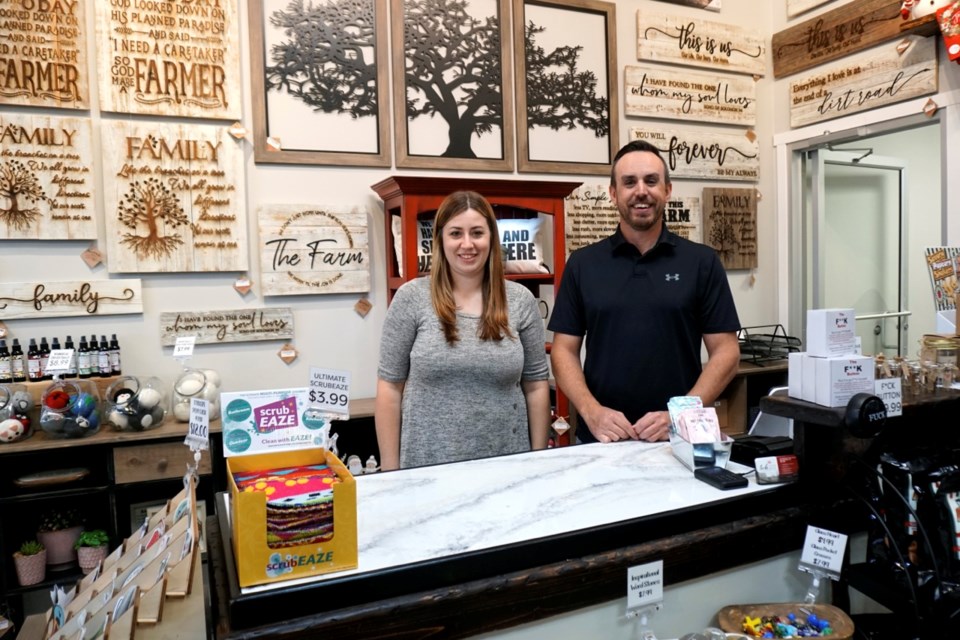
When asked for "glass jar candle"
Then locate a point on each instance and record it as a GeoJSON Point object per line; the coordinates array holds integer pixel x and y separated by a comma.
{"type": "Point", "coordinates": [70, 409]}
{"type": "Point", "coordinates": [16, 403]}
{"type": "Point", "coordinates": [136, 403]}
{"type": "Point", "coordinates": [196, 383]}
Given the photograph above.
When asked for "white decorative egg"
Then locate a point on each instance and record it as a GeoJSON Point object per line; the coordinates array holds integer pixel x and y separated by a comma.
{"type": "Point", "coordinates": [212, 377]}
{"type": "Point", "coordinates": [190, 386]}
{"type": "Point", "coordinates": [148, 398]}
{"type": "Point", "coordinates": [11, 429]}
{"type": "Point", "coordinates": [181, 411]}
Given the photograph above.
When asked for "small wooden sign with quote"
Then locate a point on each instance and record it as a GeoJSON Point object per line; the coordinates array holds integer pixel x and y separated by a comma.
{"type": "Point", "coordinates": [169, 58]}
{"type": "Point", "coordinates": [231, 325]}
{"type": "Point", "coordinates": [589, 216]}
{"type": "Point", "coordinates": [69, 298]}
{"type": "Point", "coordinates": [681, 94]}
{"type": "Point", "coordinates": [682, 216]}
{"type": "Point", "coordinates": [730, 226]}
{"type": "Point", "coordinates": [46, 178]}
{"type": "Point", "coordinates": [309, 249]}
{"type": "Point", "coordinates": [43, 53]}
{"type": "Point", "coordinates": [174, 198]}
{"type": "Point", "coordinates": [704, 154]}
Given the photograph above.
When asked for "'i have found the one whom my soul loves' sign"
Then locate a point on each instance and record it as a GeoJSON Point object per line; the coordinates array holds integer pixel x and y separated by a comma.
{"type": "Point", "coordinates": [308, 249]}
{"type": "Point", "coordinates": [705, 154]}
{"type": "Point", "coordinates": [681, 94]}
{"type": "Point", "coordinates": [74, 298]}
{"type": "Point", "coordinates": [230, 325]}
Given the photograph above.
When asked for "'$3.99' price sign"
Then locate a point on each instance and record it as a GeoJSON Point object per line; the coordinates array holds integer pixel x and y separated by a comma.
{"type": "Point", "coordinates": [330, 391]}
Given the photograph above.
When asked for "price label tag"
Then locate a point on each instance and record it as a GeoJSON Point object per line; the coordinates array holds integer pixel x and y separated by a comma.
{"type": "Point", "coordinates": [183, 348]}
{"type": "Point", "coordinates": [330, 391]}
{"type": "Point", "coordinates": [823, 552]}
{"type": "Point", "coordinates": [891, 392]}
{"type": "Point", "coordinates": [59, 361]}
{"type": "Point", "coordinates": [645, 585]}
{"type": "Point", "coordinates": [198, 435]}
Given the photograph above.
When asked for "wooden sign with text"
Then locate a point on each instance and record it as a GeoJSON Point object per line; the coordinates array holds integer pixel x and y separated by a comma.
{"type": "Point", "coordinates": [867, 80]}
{"type": "Point", "coordinates": [705, 155]}
{"type": "Point", "coordinates": [682, 215]}
{"type": "Point", "coordinates": [730, 226]}
{"type": "Point", "coordinates": [796, 7]}
{"type": "Point", "coordinates": [46, 178]}
{"type": "Point", "coordinates": [680, 94]}
{"type": "Point", "coordinates": [589, 216]}
{"type": "Point", "coordinates": [847, 29]}
{"type": "Point", "coordinates": [174, 198]}
{"type": "Point", "coordinates": [73, 298]}
{"type": "Point", "coordinates": [699, 43]}
{"type": "Point", "coordinates": [232, 325]}
{"type": "Point", "coordinates": [306, 249]}
{"type": "Point", "coordinates": [43, 53]}
{"type": "Point", "coordinates": [169, 58]}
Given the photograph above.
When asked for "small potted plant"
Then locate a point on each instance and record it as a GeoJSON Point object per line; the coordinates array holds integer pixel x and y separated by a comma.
{"type": "Point", "coordinates": [31, 563]}
{"type": "Point", "coordinates": [58, 532]}
{"type": "Point", "coordinates": [91, 549]}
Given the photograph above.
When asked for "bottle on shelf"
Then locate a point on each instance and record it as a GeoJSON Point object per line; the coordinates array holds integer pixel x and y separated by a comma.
{"type": "Point", "coordinates": [44, 350]}
{"type": "Point", "coordinates": [103, 358]}
{"type": "Point", "coordinates": [16, 362]}
{"type": "Point", "coordinates": [6, 372]}
{"type": "Point", "coordinates": [83, 359]}
{"type": "Point", "coordinates": [72, 367]}
{"type": "Point", "coordinates": [114, 356]}
{"type": "Point", "coordinates": [34, 372]}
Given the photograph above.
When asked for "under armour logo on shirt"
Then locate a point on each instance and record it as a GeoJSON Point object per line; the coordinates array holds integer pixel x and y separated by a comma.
{"type": "Point", "coordinates": [673, 277]}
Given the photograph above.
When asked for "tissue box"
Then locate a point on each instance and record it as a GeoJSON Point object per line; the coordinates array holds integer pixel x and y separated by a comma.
{"type": "Point", "coordinates": [256, 562]}
{"type": "Point", "coordinates": [839, 379]}
{"type": "Point", "coordinates": [831, 332]}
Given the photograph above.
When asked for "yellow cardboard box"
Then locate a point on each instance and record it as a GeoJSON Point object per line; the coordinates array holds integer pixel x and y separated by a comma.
{"type": "Point", "coordinates": [259, 564]}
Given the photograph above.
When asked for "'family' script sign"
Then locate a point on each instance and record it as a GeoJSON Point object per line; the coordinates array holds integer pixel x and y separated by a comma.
{"type": "Point", "coordinates": [307, 249]}
{"type": "Point", "coordinates": [231, 325]}
{"type": "Point", "coordinates": [699, 43]}
{"type": "Point", "coordinates": [174, 198]}
{"type": "Point", "coordinates": [46, 178]}
{"type": "Point", "coordinates": [76, 298]}
{"type": "Point", "coordinates": [867, 80]}
{"type": "Point", "coordinates": [680, 94]}
{"type": "Point", "coordinates": [169, 58]}
{"type": "Point", "coordinates": [43, 53]}
{"type": "Point", "coordinates": [730, 226]}
{"type": "Point", "coordinates": [705, 155]}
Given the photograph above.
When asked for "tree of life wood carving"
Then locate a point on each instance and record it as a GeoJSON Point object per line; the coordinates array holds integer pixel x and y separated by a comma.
{"type": "Point", "coordinates": [152, 205]}
{"type": "Point", "coordinates": [19, 187]}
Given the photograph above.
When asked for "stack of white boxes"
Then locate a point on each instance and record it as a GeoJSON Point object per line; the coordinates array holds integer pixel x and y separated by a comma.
{"type": "Point", "coordinates": [831, 370]}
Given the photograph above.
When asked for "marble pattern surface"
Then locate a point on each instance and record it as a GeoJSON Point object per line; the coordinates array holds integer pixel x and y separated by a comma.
{"type": "Point", "coordinates": [413, 515]}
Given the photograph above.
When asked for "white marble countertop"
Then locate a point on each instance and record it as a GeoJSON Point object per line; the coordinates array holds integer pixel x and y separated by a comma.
{"type": "Point", "coordinates": [416, 515]}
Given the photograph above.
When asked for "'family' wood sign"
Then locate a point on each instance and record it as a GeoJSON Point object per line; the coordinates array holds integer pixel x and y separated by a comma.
{"type": "Point", "coordinates": [46, 178]}
{"type": "Point", "coordinates": [43, 53]}
{"type": "Point", "coordinates": [231, 325]}
{"type": "Point", "coordinates": [847, 29]}
{"type": "Point", "coordinates": [169, 58]}
{"type": "Point", "coordinates": [665, 37]}
{"type": "Point", "coordinates": [705, 155]}
{"type": "Point", "coordinates": [306, 249]}
{"type": "Point", "coordinates": [681, 94]}
{"type": "Point", "coordinates": [730, 226]}
{"type": "Point", "coordinates": [174, 198]}
{"type": "Point", "coordinates": [884, 75]}
{"type": "Point", "coordinates": [73, 298]}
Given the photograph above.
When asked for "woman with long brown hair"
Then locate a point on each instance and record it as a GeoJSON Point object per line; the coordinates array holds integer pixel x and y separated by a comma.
{"type": "Point", "coordinates": [463, 373]}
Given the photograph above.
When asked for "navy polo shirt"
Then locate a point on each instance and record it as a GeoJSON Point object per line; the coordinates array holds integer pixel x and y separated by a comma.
{"type": "Point", "coordinates": [643, 318]}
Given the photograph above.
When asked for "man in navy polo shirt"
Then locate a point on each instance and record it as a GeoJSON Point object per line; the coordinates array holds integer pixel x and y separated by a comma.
{"type": "Point", "coordinates": [644, 298]}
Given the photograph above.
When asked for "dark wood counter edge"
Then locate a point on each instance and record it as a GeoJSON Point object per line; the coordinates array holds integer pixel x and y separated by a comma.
{"type": "Point", "coordinates": [787, 407]}
{"type": "Point", "coordinates": [525, 596]}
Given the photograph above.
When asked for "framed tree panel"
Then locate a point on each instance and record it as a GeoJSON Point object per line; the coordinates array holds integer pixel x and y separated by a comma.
{"type": "Point", "coordinates": [453, 104]}
{"type": "Point", "coordinates": [46, 178]}
{"type": "Point", "coordinates": [704, 154]}
{"type": "Point", "coordinates": [43, 54]}
{"type": "Point", "coordinates": [681, 94]}
{"type": "Point", "coordinates": [567, 116]}
{"type": "Point", "coordinates": [173, 198]}
{"type": "Point", "coordinates": [319, 81]}
{"type": "Point", "coordinates": [730, 226]}
{"type": "Point", "coordinates": [169, 58]}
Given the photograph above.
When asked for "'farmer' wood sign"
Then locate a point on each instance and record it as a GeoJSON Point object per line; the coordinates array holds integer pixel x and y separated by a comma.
{"type": "Point", "coordinates": [704, 155]}
{"type": "Point", "coordinates": [46, 178]}
{"type": "Point", "coordinates": [231, 325]}
{"type": "Point", "coordinates": [681, 94]}
{"type": "Point", "coordinates": [173, 195]}
{"type": "Point", "coordinates": [74, 298]}
{"type": "Point", "coordinates": [306, 249]}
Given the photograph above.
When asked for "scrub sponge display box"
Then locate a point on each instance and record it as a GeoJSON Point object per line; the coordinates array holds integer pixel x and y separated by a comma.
{"type": "Point", "coordinates": [258, 563]}
{"type": "Point", "coordinates": [831, 332]}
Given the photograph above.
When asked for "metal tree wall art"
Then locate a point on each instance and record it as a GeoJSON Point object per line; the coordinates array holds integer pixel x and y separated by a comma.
{"type": "Point", "coordinates": [149, 204]}
{"type": "Point", "coordinates": [19, 186]}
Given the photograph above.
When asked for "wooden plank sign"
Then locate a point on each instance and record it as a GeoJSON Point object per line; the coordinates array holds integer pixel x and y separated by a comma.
{"type": "Point", "coordinates": [174, 198]}
{"type": "Point", "coordinates": [43, 53]}
{"type": "Point", "coordinates": [589, 216]}
{"type": "Point", "coordinates": [796, 7]}
{"type": "Point", "coordinates": [867, 80]}
{"type": "Point", "coordinates": [682, 215]}
{"type": "Point", "coordinates": [46, 178]}
{"type": "Point", "coordinates": [699, 43]}
{"type": "Point", "coordinates": [730, 226]}
{"type": "Point", "coordinates": [709, 5]}
{"type": "Point", "coordinates": [232, 325]}
{"type": "Point", "coordinates": [169, 58]}
{"type": "Point", "coordinates": [850, 28]}
{"type": "Point", "coordinates": [663, 92]}
{"type": "Point", "coordinates": [705, 155]}
{"type": "Point", "coordinates": [306, 249]}
{"type": "Point", "coordinates": [73, 298]}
